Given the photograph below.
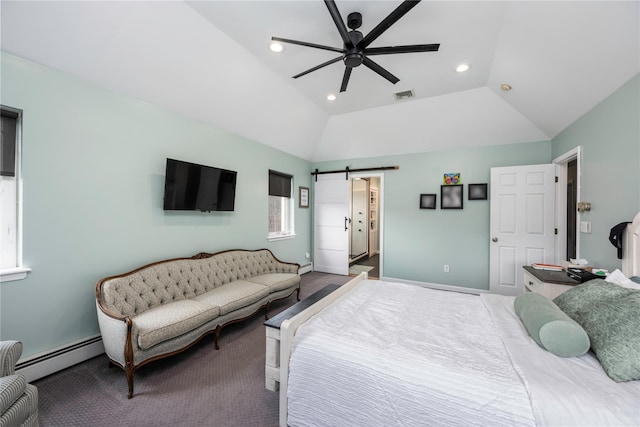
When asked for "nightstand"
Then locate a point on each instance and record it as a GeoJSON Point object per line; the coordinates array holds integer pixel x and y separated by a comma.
{"type": "Point", "coordinates": [546, 282]}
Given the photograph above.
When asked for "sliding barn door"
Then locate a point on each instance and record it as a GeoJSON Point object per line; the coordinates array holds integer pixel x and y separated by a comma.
{"type": "Point", "coordinates": [331, 224]}
{"type": "Point", "coordinates": [522, 223]}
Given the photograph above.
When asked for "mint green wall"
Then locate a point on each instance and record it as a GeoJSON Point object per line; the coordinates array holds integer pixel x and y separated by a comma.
{"type": "Point", "coordinates": [93, 176]}
{"type": "Point", "coordinates": [610, 137]}
{"type": "Point", "coordinates": [93, 169]}
{"type": "Point", "coordinates": [419, 242]}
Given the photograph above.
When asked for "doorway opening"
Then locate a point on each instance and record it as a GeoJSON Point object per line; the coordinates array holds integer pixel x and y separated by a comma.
{"type": "Point", "coordinates": [567, 215]}
{"type": "Point", "coordinates": [365, 231]}
{"type": "Point", "coordinates": [572, 203]}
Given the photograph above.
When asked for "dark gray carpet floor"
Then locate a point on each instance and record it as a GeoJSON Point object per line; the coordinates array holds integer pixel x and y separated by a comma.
{"type": "Point", "coordinates": [199, 387]}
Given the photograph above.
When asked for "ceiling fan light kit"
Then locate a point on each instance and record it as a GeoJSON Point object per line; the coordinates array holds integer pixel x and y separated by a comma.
{"type": "Point", "coordinates": [355, 50]}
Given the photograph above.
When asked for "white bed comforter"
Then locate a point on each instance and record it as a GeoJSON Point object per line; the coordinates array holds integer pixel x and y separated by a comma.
{"type": "Point", "coordinates": [391, 354]}
{"type": "Point", "coordinates": [571, 391]}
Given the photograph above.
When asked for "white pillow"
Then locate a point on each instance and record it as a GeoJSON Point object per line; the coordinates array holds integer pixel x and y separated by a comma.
{"type": "Point", "coordinates": [620, 279]}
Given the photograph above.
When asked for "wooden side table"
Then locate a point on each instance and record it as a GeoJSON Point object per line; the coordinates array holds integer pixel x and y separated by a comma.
{"type": "Point", "coordinates": [546, 282]}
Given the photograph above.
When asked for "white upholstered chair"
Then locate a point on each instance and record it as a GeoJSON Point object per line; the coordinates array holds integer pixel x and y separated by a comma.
{"type": "Point", "coordinates": [18, 400]}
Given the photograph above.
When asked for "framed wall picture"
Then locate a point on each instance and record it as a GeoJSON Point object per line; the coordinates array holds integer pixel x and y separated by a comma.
{"type": "Point", "coordinates": [303, 197]}
{"type": "Point", "coordinates": [477, 192]}
{"type": "Point", "coordinates": [427, 201]}
{"type": "Point", "coordinates": [451, 196]}
{"type": "Point", "coordinates": [451, 178]}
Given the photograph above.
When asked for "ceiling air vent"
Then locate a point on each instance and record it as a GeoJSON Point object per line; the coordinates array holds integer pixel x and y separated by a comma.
{"type": "Point", "coordinates": [403, 96]}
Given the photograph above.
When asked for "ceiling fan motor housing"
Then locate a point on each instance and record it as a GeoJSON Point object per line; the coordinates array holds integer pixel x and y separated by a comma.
{"type": "Point", "coordinates": [353, 56]}
{"type": "Point", "coordinates": [354, 20]}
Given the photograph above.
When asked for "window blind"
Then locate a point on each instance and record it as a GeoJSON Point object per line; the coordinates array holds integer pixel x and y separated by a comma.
{"type": "Point", "coordinates": [8, 128]}
{"type": "Point", "coordinates": [279, 184]}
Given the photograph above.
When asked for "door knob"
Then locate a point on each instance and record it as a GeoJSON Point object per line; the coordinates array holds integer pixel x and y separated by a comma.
{"type": "Point", "coordinates": [494, 239]}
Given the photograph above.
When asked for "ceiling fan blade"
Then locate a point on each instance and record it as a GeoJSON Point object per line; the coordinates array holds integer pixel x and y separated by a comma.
{"type": "Point", "coordinates": [378, 69]}
{"type": "Point", "coordinates": [298, 42]}
{"type": "Point", "coordinates": [402, 49]}
{"type": "Point", "coordinates": [383, 26]}
{"type": "Point", "coordinates": [337, 19]}
{"type": "Point", "coordinates": [317, 67]}
{"type": "Point", "coordinates": [345, 79]}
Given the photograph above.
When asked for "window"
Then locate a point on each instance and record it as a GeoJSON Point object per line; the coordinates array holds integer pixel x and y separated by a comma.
{"type": "Point", "coordinates": [10, 257]}
{"type": "Point", "coordinates": [280, 205]}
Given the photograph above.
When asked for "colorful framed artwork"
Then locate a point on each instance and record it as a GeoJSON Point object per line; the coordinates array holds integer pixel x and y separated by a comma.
{"type": "Point", "coordinates": [427, 201]}
{"type": "Point", "coordinates": [451, 196]}
{"type": "Point", "coordinates": [477, 192]}
{"type": "Point", "coordinates": [451, 178]}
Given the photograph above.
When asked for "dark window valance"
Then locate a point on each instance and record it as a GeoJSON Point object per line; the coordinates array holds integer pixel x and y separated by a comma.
{"type": "Point", "coordinates": [279, 184]}
{"type": "Point", "coordinates": [8, 129]}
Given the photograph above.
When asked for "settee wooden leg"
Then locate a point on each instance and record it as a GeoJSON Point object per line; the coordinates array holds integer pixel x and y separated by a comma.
{"type": "Point", "coordinates": [129, 373]}
{"type": "Point", "coordinates": [266, 310]}
{"type": "Point", "coordinates": [128, 358]}
{"type": "Point", "coordinates": [216, 335]}
{"type": "Point", "coordinates": [298, 293]}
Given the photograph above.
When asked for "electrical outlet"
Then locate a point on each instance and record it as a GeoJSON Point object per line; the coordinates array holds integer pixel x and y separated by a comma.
{"type": "Point", "coordinates": [306, 255]}
{"type": "Point", "coordinates": [446, 268]}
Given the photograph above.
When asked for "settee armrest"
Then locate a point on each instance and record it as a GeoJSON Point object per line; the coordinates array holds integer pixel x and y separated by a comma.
{"type": "Point", "coordinates": [10, 352]}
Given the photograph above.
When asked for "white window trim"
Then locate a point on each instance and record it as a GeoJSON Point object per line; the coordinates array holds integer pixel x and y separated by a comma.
{"type": "Point", "coordinates": [284, 236]}
{"type": "Point", "coordinates": [289, 234]}
{"type": "Point", "coordinates": [15, 273]}
{"type": "Point", "coordinates": [19, 272]}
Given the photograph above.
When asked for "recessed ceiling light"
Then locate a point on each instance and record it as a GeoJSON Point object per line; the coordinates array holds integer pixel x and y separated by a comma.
{"type": "Point", "coordinates": [276, 47]}
{"type": "Point", "coordinates": [505, 87]}
{"type": "Point", "coordinates": [331, 97]}
{"type": "Point", "coordinates": [462, 68]}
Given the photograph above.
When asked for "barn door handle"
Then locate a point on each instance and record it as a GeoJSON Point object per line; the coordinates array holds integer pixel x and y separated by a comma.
{"type": "Point", "coordinates": [345, 223]}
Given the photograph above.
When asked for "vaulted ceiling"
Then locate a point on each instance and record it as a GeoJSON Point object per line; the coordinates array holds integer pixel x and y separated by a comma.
{"type": "Point", "coordinates": [211, 60]}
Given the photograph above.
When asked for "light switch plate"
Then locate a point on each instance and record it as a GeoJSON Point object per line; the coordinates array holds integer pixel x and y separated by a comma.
{"type": "Point", "coordinates": [585, 227]}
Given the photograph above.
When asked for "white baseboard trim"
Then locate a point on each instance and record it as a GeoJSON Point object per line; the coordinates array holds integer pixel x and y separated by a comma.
{"type": "Point", "coordinates": [437, 286]}
{"type": "Point", "coordinates": [306, 268]}
{"type": "Point", "coordinates": [43, 364]}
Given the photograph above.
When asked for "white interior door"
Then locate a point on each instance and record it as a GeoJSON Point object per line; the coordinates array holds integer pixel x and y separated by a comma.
{"type": "Point", "coordinates": [522, 224]}
{"type": "Point", "coordinates": [331, 224]}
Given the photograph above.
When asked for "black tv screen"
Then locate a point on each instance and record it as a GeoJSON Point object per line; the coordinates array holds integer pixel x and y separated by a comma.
{"type": "Point", "coordinates": [193, 187]}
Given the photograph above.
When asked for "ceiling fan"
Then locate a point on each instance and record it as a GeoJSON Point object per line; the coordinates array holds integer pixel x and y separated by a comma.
{"type": "Point", "coordinates": [356, 50]}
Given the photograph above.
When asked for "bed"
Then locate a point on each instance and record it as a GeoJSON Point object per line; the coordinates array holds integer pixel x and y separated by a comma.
{"type": "Point", "coordinates": [356, 359]}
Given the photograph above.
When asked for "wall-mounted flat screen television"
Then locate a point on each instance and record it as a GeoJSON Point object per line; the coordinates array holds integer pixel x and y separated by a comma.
{"type": "Point", "coordinates": [193, 187]}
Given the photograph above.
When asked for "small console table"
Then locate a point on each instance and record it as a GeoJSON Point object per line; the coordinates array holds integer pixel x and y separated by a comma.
{"type": "Point", "coordinates": [272, 330]}
{"type": "Point", "coordinates": [546, 282]}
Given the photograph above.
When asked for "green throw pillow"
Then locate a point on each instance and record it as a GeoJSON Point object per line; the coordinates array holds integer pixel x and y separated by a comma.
{"type": "Point", "coordinates": [550, 327]}
{"type": "Point", "coordinates": [610, 315]}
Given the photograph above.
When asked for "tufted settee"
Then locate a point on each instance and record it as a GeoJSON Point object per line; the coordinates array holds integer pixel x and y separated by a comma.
{"type": "Point", "coordinates": [164, 308]}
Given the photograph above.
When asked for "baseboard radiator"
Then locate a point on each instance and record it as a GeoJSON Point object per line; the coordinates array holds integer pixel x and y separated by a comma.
{"type": "Point", "coordinates": [305, 268]}
{"type": "Point", "coordinates": [43, 364]}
